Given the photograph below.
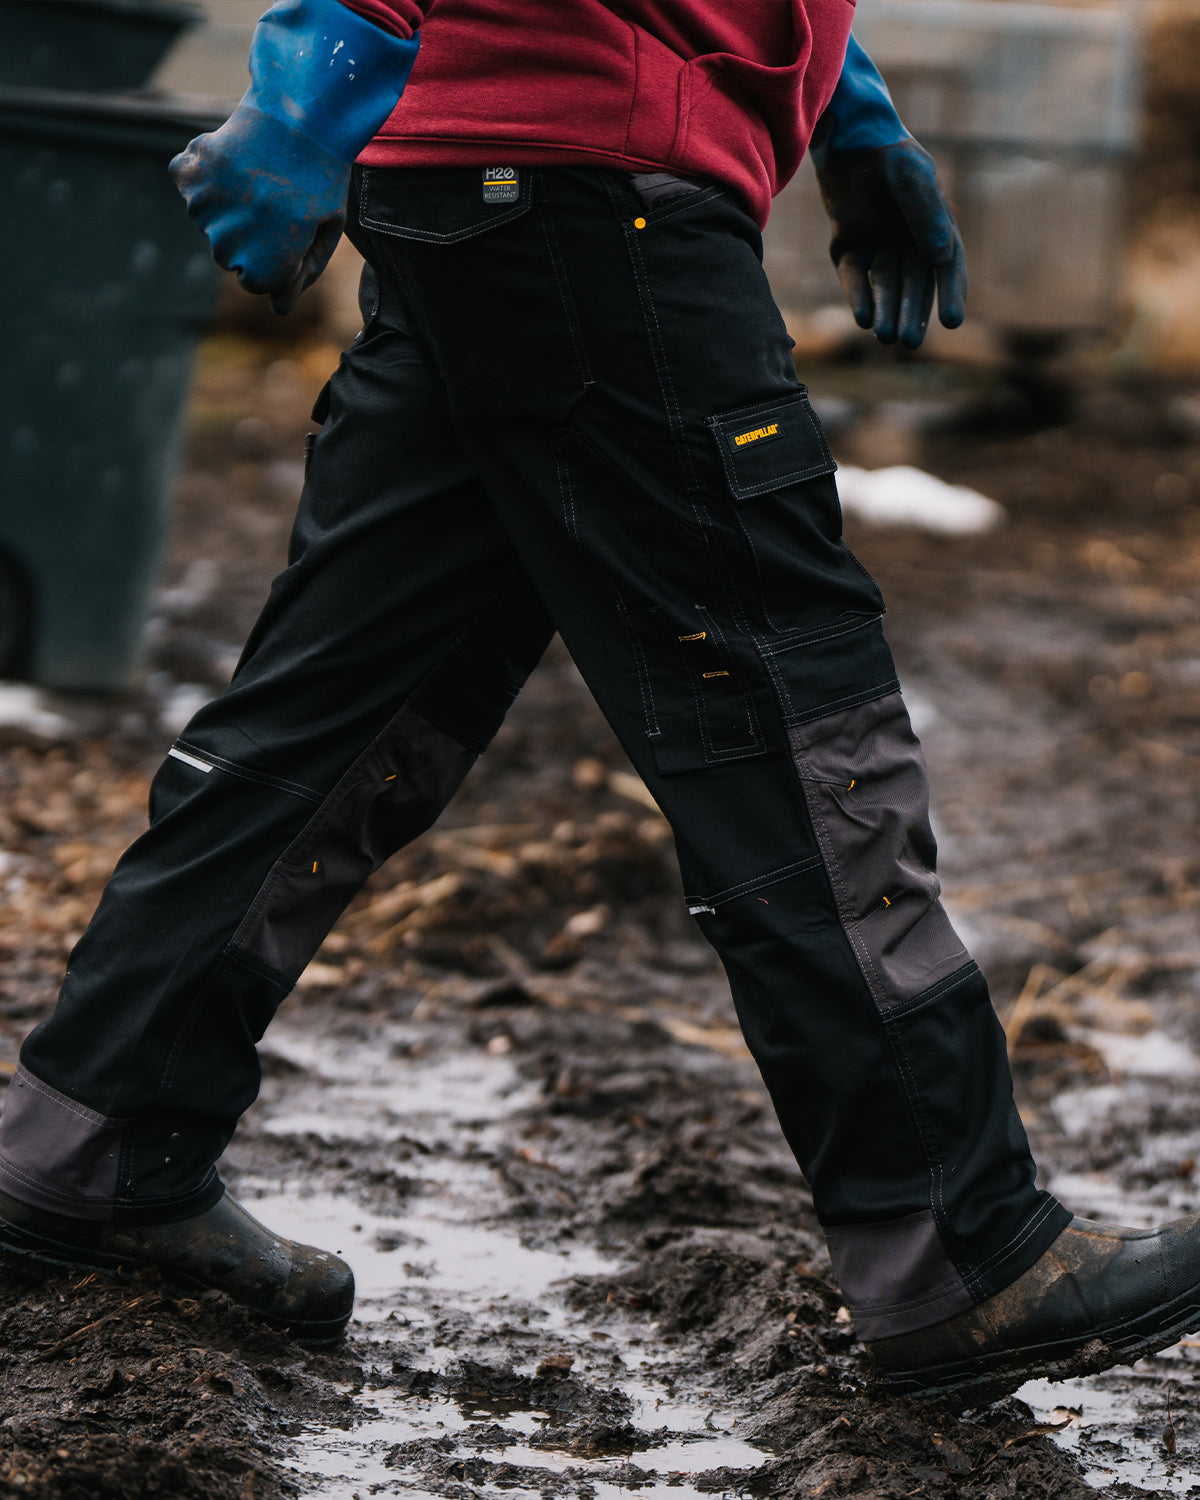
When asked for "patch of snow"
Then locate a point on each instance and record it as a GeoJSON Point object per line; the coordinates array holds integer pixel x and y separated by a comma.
{"type": "Point", "coordinates": [197, 586]}
{"type": "Point", "coordinates": [921, 711]}
{"type": "Point", "coordinates": [26, 711]}
{"type": "Point", "coordinates": [904, 496]}
{"type": "Point", "coordinates": [182, 701]}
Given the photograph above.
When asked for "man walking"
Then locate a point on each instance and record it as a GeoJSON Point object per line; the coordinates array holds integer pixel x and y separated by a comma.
{"type": "Point", "coordinates": [573, 407]}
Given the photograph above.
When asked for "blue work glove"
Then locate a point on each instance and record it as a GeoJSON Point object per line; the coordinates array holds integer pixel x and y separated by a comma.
{"type": "Point", "coordinates": [895, 239]}
{"type": "Point", "coordinates": [269, 187]}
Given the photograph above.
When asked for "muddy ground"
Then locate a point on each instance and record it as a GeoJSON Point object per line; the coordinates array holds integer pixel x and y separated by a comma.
{"type": "Point", "coordinates": [510, 1088]}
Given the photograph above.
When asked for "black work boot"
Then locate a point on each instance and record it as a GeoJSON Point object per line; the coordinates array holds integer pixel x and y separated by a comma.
{"type": "Point", "coordinates": [307, 1293]}
{"type": "Point", "coordinates": [1100, 1296]}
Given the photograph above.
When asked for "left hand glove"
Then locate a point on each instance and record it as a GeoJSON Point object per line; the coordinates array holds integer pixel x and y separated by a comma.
{"type": "Point", "coordinates": [895, 239]}
{"type": "Point", "coordinates": [269, 187]}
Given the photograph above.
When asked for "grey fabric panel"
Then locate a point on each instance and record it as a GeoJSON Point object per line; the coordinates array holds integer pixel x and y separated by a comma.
{"type": "Point", "coordinates": [868, 794]}
{"type": "Point", "coordinates": [896, 1277]}
{"type": "Point", "coordinates": [391, 793]}
{"type": "Point", "coordinates": [70, 1156]}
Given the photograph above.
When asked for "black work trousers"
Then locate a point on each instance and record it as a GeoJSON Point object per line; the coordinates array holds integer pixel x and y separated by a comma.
{"type": "Point", "coordinates": [569, 410]}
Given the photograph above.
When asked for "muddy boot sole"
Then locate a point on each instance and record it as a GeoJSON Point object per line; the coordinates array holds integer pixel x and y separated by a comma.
{"type": "Point", "coordinates": [988, 1377]}
{"type": "Point", "coordinates": [41, 1249]}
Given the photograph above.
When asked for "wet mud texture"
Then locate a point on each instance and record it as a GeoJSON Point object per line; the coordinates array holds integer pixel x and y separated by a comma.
{"type": "Point", "coordinates": [539, 935]}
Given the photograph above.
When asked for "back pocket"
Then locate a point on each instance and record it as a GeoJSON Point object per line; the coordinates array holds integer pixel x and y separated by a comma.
{"type": "Point", "coordinates": [474, 250]}
{"type": "Point", "coordinates": [779, 472]}
{"type": "Point", "coordinates": [440, 206]}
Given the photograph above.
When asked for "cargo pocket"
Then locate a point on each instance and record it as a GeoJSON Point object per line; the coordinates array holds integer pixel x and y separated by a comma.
{"type": "Point", "coordinates": [779, 473]}
{"type": "Point", "coordinates": [704, 707]}
{"type": "Point", "coordinates": [475, 252]}
{"type": "Point", "coordinates": [698, 704]}
{"type": "Point", "coordinates": [697, 681]}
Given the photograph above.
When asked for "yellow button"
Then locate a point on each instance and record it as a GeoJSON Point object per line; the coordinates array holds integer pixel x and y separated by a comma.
{"type": "Point", "coordinates": [639, 223]}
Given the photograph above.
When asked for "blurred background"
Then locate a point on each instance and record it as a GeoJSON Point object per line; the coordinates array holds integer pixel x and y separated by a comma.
{"type": "Point", "coordinates": [1067, 133]}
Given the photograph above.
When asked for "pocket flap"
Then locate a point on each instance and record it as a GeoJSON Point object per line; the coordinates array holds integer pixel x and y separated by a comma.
{"type": "Point", "coordinates": [442, 205]}
{"type": "Point", "coordinates": [766, 447]}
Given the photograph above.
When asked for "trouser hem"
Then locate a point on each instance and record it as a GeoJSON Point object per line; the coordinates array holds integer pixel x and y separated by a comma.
{"type": "Point", "coordinates": [35, 1193]}
{"type": "Point", "coordinates": [907, 1254]}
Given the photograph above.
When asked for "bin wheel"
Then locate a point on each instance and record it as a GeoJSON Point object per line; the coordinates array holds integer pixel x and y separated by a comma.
{"type": "Point", "coordinates": [16, 619]}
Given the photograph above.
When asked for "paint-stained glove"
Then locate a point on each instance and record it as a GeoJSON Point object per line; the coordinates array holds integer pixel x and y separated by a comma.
{"type": "Point", "coordinates": [269, 187]}
{"type": "Point", "coordinates": [894, 235]}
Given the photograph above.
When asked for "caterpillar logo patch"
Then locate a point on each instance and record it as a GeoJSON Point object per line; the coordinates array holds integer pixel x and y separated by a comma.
{"type": "Point", "coordinates": [501, 185]}
{"type": "Point", "coordinates": [756, 435]}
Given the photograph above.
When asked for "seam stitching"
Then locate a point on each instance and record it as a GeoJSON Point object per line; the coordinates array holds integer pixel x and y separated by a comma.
{"type": "Point", "coordinates": [451, 237]}
{"type": "Point", "coordinates": [758, 573]}
{"type": "Point", "coordinates": [938, 991]}
{"type": "Point", "coordinates": [11, 1169]}
{"type": "Point", "coordinates": [757, 882]}
{"type": "Point", "coordinates": [662, 368]}
{"type": "Point", "coordinates": [566, 493]}
{"type": "Point", "coordinates": [814, 639]}
{"type": "Point", "coordinates": [797, 720]}
{"type": "Point", "coordinates": [111, 1200]}
{"type": "Point", "coordinates": [933, 1157]}
{"type": "Point", "coordinates": [938, 1294]}
{"type": "Point", "coordinates": [565, 295]}
{"type": "Point", "coordinates": [61, 1101]}
{"type": "Point", "coordinates": [641, 668]}
{"type": "Point", "coordinates": [1035, 1223]}
{"type": "Point", "coordinates": [691, 200]}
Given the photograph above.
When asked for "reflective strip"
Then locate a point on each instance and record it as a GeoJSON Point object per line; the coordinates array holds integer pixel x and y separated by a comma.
{"type": "Point", "coordinates": [190, 760]}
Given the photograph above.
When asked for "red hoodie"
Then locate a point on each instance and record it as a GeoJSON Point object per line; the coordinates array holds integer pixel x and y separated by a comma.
{"type": "Point", "coordinates": [727, 89]}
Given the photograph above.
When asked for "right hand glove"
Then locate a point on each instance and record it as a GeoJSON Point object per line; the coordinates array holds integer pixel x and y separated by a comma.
{"type": "Point", "coordinates": [269, 187]}
{"type": "Point", "coordinates": [895, 238]}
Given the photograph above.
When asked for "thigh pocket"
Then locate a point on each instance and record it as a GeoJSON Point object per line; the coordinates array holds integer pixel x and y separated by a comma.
{"type": "Point", "coordinates": [779, 473]}
{"type": "Point", "coordinates": [702, 687]}
{"type": "Point", "coordinates": [699, 687]}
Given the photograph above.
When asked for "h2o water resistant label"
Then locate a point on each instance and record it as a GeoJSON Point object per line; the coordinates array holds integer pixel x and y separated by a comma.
{"type": "Point", "coordinates": [501, 184]}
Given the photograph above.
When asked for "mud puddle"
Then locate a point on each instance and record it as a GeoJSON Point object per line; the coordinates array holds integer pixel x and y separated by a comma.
{"type": "Point", "coordinates": [441, 1266]}
{"type": "Point", "coordinates": [453, 1261]}
{"type": "Point", "coordinates": [1136, 1427]}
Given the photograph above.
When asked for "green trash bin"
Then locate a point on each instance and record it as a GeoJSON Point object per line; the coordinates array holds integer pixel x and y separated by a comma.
{"type": "Point", "coordinates": [105, 288]}
{"type": "Point", "coordinates": [87, 44]}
